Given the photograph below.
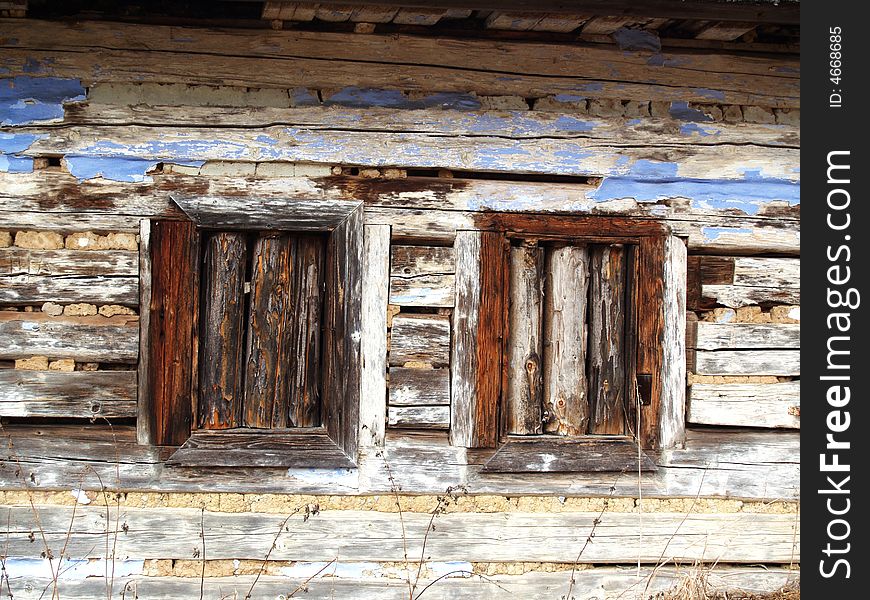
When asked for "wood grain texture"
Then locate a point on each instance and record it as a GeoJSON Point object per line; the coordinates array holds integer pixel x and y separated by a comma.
{"type": "Point", "coordinates": [423, 290]}
{"type": "Point", "coordinates": [335, 60]}
{"type": "Point", "coordinates": [418, 417]}
{"type": "Point", "coordinates": [745, 405]}
{"type": "Point", "coordinates": [36, 289]}
{"type": "Point", "coordinates": [748, 362]}
{"type": "Point", "coordinates": [419, 387]}
{"type": "Point", "coordinates": [589, 455]}
{"type": "Point", "coordinates": [735, 296]}
{"type": "Point", "coordinates": [672, 407]}
{"type": "Point", "coordinates": [76, 395]}
{"type": "Point", "coordinates": [145, 433]}
{"type": "Point", "coordinates": [767, 272]}
{"type": "Point", "coordinates": [524, 382]}
{"type": "Point", "coordinates": [412, 261]}
{"type": "Point", "coordinates": [94, 263]}
{"type": "Point", "coordinates": [649, 302]}
{"type": "Point", "coordinates": [565, 400]}
{"type": "Point", "coordinates": [222, 328]}
{"type": "Point", "coordinates": [608, 393]}
{"type": "Point", "coordinates": [341, 337]}
{"type": "Point", "coordinates": [477, 344]}
{"type": "Point", "coordinates": [86, 339]}
{"type": "Point", "coordinates": [747, 336]}
{"type": "Point", "coordinates": [375, 297]}
{"type": "Point", "coordinates": [284, 448]}
{"type": "Point", "coordinates": [420, 339]}
{"type": "Point", "coordinates": [173, 322]}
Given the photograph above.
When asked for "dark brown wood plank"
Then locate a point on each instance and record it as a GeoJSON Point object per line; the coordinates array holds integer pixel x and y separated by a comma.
{"type": "Point", "coordinates": [693, 282]}
{"type": "Point", "coordinates": [524, 390]}
{"type": "Point", "coordinates": [173, 318]}
{"type": "Point", "coordinates": [286, 448]}
{"type": "Point", "coordinates": [77, 395]}
{"type": "Point", "coordinates": [648, 295]}
{"type": "Point", "coordinates": [341, 339]}
{"type": "Point", "coordinates": [306, 301]}
{"type": "Point", "coordinates": [717, 270]}
{"type": "Point", "coordinates": [565, 402]}
{"type": "Point", "coordinates": [270, 342]}
{"type": "Point", "coordinates": [419, 387]}
{"type": "Point", "coordinates": [548, 455]}
{"type": "Point", "coordinates": [221, 339]}
{"type": "Point", "coordinates": [606, 354]}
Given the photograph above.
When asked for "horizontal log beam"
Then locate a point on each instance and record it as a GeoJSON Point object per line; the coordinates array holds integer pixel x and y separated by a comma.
{"type": "Point", "coordinates": [36, 289]}
{"type": "Point", "coordinates": [746, 336]}
{"type": "Point", "coordinates": [748, 362]}
{"type": "Point", "coordinates": [86, 339]}
{"type": "Point", "coordinates": [76, 395]}
{"type": "Point", "coordinates": [745, 405]}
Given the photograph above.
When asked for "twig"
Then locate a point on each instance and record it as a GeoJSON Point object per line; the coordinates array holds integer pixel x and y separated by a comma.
{"type": "Point", "coordinates": [466, 574]}
{"type": "Point", "coordinates": [202, 535]}
{"type": "Point", "coordinates": [395, 489]}
{"type": "Point", "coordinates": [304, 584]}
{"type": "Point", "coordinates": [269, 553]}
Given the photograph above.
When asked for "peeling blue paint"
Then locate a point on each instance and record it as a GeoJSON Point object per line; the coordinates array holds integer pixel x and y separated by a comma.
{"type": "Point", "coordinates": [568, 98]}
{"type": "Point", "coordinates": [591, 87]}
{"type": "Point", "coordinates": [682, 112]}
{"type": "Point", "coordinates": [572, 124]}
{"type": "Point", "coordinates": [356, 97]}
{"type": "Point", "coordinates": [713, 233]}
{"type": "Point", "coordinates": [636, 39]}
{"type": "Point", "coordinates": [11, 144]}
{"type": "Point", "coordinates": [27, 100]}
{"type": "Point", "coordinates": [132, 170]}
{"type": "Point", "coordinates": [693, 128]}
{"type": "Point", "coordinates": [635, 121]}
{"type": "Point", "coordinates": [303, 97]}
{"type": "Point", "coordinates": [661, 60]}
{"type": "Point", "coordinates": [707, 93]}
{"type": "Point", "coordinates": [16, 164]}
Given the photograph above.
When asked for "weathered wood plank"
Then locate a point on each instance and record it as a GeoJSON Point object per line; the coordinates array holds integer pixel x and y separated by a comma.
{"type": "Point", "coordinates": [172, 328]}
{"type": "Point", "coordinates": [746, 336]}
{"type": "Point", "coordinates": [367, 535]}
{"type": "Point", "coordinates": [420, 339]}
{"type": "Point", "coordinates": [331, 60]}
{"type": "Point", "coordinates": [608, 392]}
{"type": "Point", "coordinates": [423, 290]}
{"type": "Point", "coordinates": [735, 296]}
{"type": "Point", "coordinates": [76, 395]}
{"type": "Point", "coordinates": [145, 434]}
{"type": "Point", "coordinates": [411, 261]}
{"type": "Point", "coordinates": [566, 402]}
{"type": "Point", "coordinates": [524, 390]}
{"type": "Point", "coordinates": [284, 448]}
{"type": "Point", "coordinates": [725, 31]}
{"type": "Point", "coordinates": [221, 337]}
{"type": "Point", "coordinates": [373, 382]}
{"type": "Point", "coordinates": [649, 316]}
{"type": "Point", "coordinates": [672, 410]}
{"type": "Point", "coordinates": [546, 455]}
{"type": "Point", "coordinates": [418, 417]}
{"type": "Point", "coordinates": [36, 289]}
{"type": "Point", "coordinates": [86, 339]}
{"type": "Point", "coordinates": [342, 310]}
{"type": "Point", "coordinates": [22, 261]}
{"type": "Point", "coordinates": [477, 345]}
{"type": "Point", "coordinates": [416, 387]}
{"type": "Point", "coordinates": [767, 272]}
{"type": "Point", "coordinates": [748, 362]}
{"type": "Point", "coordinates": [745, 405]}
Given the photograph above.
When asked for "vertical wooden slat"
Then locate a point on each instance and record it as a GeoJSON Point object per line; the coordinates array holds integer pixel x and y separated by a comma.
{"type": "Point", "coordinates": [269, 352]}
{"type": "Point", "coordinates": [144, 400]}
{"type": "Point", "coordinates": [672, 415]}
{"type": "Point", "coordinates": [375, 290]}
{"type": "Point", "coordinates": [630, 345]}
{"type": "Point", "coordinates": [476, 349]}
{"type": "Point", "coordinates": [524, 389]}
{"type": "Point", "coordinates": [341, 340]}
{"type": "Point", "coordinates": [306, 306]}
{"type": "Point", "coordinates": [606, 368]}
{"type": "Point", "coordinates": [649, 298]}
{"type": "Point", "coordinates": [171, 332]}
{"type": "Point", "coordinates": [566, 408]}
{"type": "Point", "coordinates": [221, 340]}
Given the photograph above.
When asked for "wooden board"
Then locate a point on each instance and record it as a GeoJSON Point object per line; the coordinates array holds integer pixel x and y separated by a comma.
{"type": "Point", "coordinates": [221, 338]}
{"type": "Point", "coordinates": [76, 395]}
{"type": "Point", "coordinates": [284, 448]}
{"type": "Point", "coordinates": [767, 272]}
{"type": "Point", "coordinates": [745, 405]}
{"type": "Point", "coordinates": [748, 362]}
{"type": "Point", "coordinates": [672, 411]}
{"type": "Point", "coordinates": [423, 290]}
{"type": "Point", "coordinates": [420, 339]}
{"type": "Point", "coordinates": [419, 387]}
{"type": "Point", "coordinates": [565, 400]}
{"type": "Point", "coordinates": [735, 296]}
{"type": "Point", "coordinates": [37, 289]}
{"type": "Point", "coordinates": [747, 336]}
{"type": "Point", "coordinates": [145, 434]}
{"type": "Point", "coordinates": [85, 339]}
{"type": "Point", "coordinates": [335, 60]}
{"type": "Point", "coordinates": [23, 261]}
{"type": "Point", "coordinates": [523, 359]}
{"type": "Point", "coordinates": [411, 261]}
{"type": "Point", "coordinates": [418, 417]}
{"type": "Point", "coordinates": [583, 455]}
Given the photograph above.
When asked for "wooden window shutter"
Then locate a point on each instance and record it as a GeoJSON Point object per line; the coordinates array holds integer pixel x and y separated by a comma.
{"type": "Point", "coordinates": [171, 330]}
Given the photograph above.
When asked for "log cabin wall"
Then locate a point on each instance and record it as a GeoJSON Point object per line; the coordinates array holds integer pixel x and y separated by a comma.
{"type": "Point", "coordinates": [110, 128]}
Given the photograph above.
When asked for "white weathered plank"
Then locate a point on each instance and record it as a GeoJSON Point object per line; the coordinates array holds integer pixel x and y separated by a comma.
{"type": "Point", "coordinates": [735, 296]}
{"type": "Point", "coordinates": [747, 336]}
{"type": "Point", "coordinates": [416, 387]}
{"type": "Point", "coordinates": [22, 261]}
{"type": "Point", "coordinates": [423, 290]}
{"type": "Point", "coordinates": [77, 395]}
{"type": "Point", "coordinates": [464, 345]}
{"type": "Point", "coordinates": [373, 329]}
{"type": "Point", "coordinates": [748, 362]}
{"type": "Point", "coordinates": [672, 414]}
{"type": "Point", "coordinates": [767, 272]}
{"type": "Point", "coordinates": [144, 434]}
{"type": "Point", "coordinates": [367, 535]}
{"type": "Point", "coordinates": [420, 338]}
{"type": "Point", "coordinates": [745, 405]}
{"type": "Point", "coordinates": [412, 261]}
{"type": "Point", "coordinates": [36, 289]}
{"type": "Point", "coordinates": [86, 339]}
{"type": "Point", "coordinates": [419, 417]}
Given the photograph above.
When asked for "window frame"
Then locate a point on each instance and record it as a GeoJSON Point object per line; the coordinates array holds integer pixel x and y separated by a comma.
{"type": "Point", "coordinates": [480, 317]}
{"type": "Point", "coordinates": [166, 419]}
